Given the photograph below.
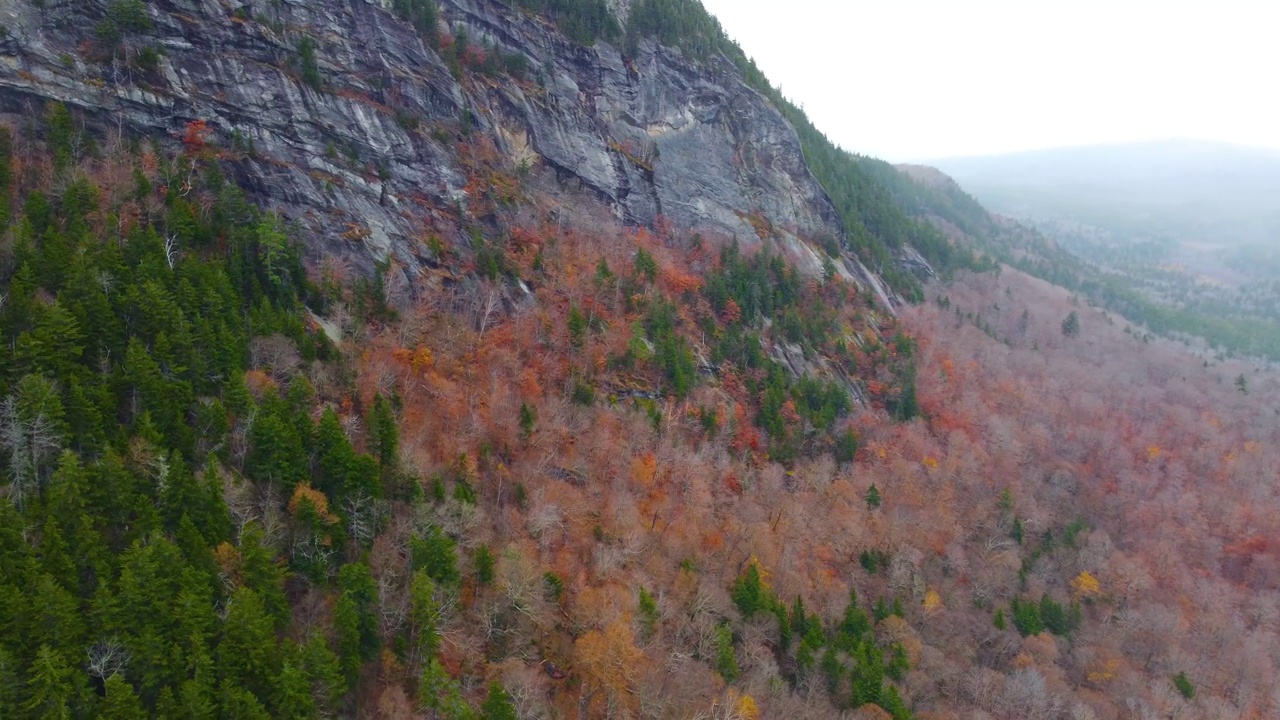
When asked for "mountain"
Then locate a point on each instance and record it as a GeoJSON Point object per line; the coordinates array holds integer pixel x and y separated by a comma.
{"type": "Point", "coordinates": [1179, 235]}
{"type": "Point", "coordinates": [1183, 190]}
{"type": "Point", "coordinates": [538, 359]}
{"type": "Point", "coordinates": [346, 119]}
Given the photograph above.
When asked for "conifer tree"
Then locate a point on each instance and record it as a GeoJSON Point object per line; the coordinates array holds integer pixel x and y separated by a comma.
{"type": "Point", "coordinates": [424, 614]}
{"type": "Point", "coordinates": [247, 656]}
{"type": "Point", "coordinates": [498, 704]}
{"type": "Point", "coordinates": [121, 702]}
{"type": "Point", "coordinates": [384, 435]}
{"type": "Point", "coordinates": [51, 687]}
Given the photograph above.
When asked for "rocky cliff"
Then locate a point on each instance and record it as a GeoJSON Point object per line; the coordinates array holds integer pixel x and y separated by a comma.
{"type": "Point", "coordinates": [360, 153]}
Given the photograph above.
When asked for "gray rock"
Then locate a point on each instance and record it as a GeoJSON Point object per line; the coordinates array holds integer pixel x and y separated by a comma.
{"type": "Point", "coordinates": [357, 166]}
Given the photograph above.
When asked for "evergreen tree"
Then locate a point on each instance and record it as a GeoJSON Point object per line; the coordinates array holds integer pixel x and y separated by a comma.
{"type": "Point", "coordinates": [238, 702]}
{"type": "Point", "coordinates": [726, 658]}
{"type": "Point", "coordinates": [1184, 685]}
{"type": "Point", "coordinates": [527, 419]}
{"type": "Point", "coordinates": [872, 497]}
{"type": "Point", "coordinates": [749, 593]}
{"type": "Point", "coordinates": [441, 694]}
{"type": "Point", "coordinates": [346, 628]}
{"type": "Point", "coordinates": [424, 615]}
{"type": "Point", "coordinates": [437, 555]}
{"type": "Point", "coordinates": [498, 704]}
{"type": "Point", "coordinates": [248, 657]}
{"type": "Point", "coordinates": [293, 698]}
{"type": "Point", "coordinates": [384, 434]}
{"type": "Point", "coordinates": [276, 453]}
{"type": "Point", "coordinates": [51, 687]}
{"type": "Point", "coordinates": [1071, 325]}
{"type": "Point", "coordinates": [484, 561]}
{"type": "Point", "coordinates": [356, 582]}
{"type": "Point", "coordinates": [325, 672]}
{"type": "Point", "coordinates": [868, 673]}
{"type": "Point", "coordinates": [121, 702]}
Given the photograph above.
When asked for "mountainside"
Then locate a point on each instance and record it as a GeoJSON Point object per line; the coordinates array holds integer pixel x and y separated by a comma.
{"type": "Point", "coordinates": [372, 145]}
{"type": "Point", "coordinates": [538, 359]}
{"type": "Point", "coordinates": [1179, 236]}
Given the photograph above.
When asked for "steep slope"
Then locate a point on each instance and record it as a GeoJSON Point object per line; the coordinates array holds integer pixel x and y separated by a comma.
{"type": "Point", "coordinates": [349, 122]}
{"type": "Point", "coordinates": [507, 448]}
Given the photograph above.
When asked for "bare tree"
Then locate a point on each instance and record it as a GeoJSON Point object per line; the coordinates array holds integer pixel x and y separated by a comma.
{"type": "Point", "coordinates": [275, 353]}
{"type": "Point", "coordinates": [171, 249]}
{"type": "Point", "coordinates": [106, 658]}
{"type": "Point", "coordinates": [29, 443]}
{"type": "Point", "coordinates": [365, 515]}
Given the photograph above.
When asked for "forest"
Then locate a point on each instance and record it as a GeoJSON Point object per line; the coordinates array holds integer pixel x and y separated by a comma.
{"type": "Point", "coordinates": [578, 468]}
{"type": "Point", "coordinates": [237, 485]}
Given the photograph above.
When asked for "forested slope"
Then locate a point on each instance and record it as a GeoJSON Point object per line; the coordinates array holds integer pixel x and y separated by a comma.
{"type": "Point", "coordinates": [575, 467]}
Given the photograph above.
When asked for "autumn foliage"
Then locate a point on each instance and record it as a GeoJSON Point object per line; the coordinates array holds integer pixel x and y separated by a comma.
{"type": "Point", "coordinates": [585, 469]}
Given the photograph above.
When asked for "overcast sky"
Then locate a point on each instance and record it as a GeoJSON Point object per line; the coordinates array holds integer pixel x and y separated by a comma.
{"type": "Point", "coordinates": [918, 79]}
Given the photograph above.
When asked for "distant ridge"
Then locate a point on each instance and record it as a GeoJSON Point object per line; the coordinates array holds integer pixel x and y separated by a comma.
{"type": "Point", "coordinates": [1184, 189]}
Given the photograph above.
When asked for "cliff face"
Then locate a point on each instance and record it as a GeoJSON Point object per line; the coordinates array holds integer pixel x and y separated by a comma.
{"type": "Point", "coordinates": [360, 162]}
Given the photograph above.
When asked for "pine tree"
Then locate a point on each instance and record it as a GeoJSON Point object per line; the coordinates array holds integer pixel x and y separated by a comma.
{"type": "Point", "coordinates": [892, 703]}
{"type": "Point", "coordinates": [346, 629]}
{"type": "Point", "coordinates": [121, 702]}
{"type": "Point", "coordinates": [527, 419]}
{"type": "Point", "coordinates": [51, 686]}
{"type": "Point", "coordinates": [384, 435]}
{"type": "Point", "coordinates": [247, 656]}
{"type": "Point", "coordinates": [498, 704]}
{"type": "Point", "coordinates": [1184, 685]}
{"type": "Point", "coordinates": [872, 497]}
{"type": "Point", "coordinates": [292, 697]}
{"type": "Point", "coordinates": [10, 680]}
{"type": "Point", "coordinates": [55, 619]}
{"type": "Point", "coordinates": [1071, 325]}
{"type": "Point", "coordinates": [648, 608]}
{"type": "Point", "coordinates": [356, 582]}
{"type": "Point", "coordinates": [335, 458]}
{"type": "Point", "coordinates": [726, 658]}
{"type": "Point", "coordinates": [868, 674]}
{"type": "Point", "coordinates": [424, 614]}
{"type": "Point", "coordinates": [441, 694]}
{"type": "Point", "coordinates": [324, 669]}
{"type": "Point", "coordinates": [237, 702]}
{"type": "Point", "coordinates": [437, 555]}
{"type": "Point", "coordinates": [484, 562]}
{"type": "Point", "coordinates": [749, 593]}
{"type": "Point", "coordinates": [196, 700]}
{"type": "Point", "coordinates": [263, 574]}
{"type": "Point", "coordinates": [276, 452]}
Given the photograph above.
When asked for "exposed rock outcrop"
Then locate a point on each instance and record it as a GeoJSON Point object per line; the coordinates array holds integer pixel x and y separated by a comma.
{"type": "Point", "coordinates": [362, 163]}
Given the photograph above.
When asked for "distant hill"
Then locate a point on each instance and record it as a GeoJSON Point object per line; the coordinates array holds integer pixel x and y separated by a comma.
{"type": "Point", "coordinates": [1182, 190]}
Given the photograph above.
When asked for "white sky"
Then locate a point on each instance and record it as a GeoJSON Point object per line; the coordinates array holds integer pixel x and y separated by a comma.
{"type": "Point", "coordinates": [917, 79]}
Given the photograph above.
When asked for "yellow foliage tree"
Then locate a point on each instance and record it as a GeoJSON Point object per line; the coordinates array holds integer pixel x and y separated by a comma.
{"type": "Point", "coordinates": [1086, 585]}
{"type": "Point", "coordinates": [227, 557]}
{"type": "Point", "coordinates": [747, 708]}
{"type": "Point", "coordinates": [609, 660]}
